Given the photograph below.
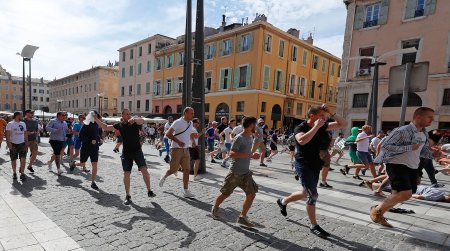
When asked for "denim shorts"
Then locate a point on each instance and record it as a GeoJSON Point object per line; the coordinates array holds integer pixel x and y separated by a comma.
{"type": "Point", "coordinates": [308, 175]}
{"type": "Point", "coordinates": [364, 157]}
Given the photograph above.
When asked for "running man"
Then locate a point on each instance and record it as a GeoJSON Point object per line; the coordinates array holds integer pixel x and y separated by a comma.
{"type": "Point", "coordinates": [180, 134]}
{"type": "Point", "coordinates": [338, 147]}
{"type": "Point", "coordinates": [362, 146]}
{"type": "Point", "coordinates": [76, 139]}
{"type": "Point", "coordinates": [240, 174]}
{"type": "Point", "coordinates": [273, 145]}
{"type": "Point", "coordinates": [194, 150]}
{"type": "Point", "coordinates": [58, 130]}
{"type": "Point", "coordinates": [258, 142]}
{"type": "Point", "coordinates": [401, 152]}
{"type": "Point", "coordinates": [17, 141]}
{"type": "Point", "coordinates": [33, 130]}
{"type": "Point", "coordinates": [131, 152]}
{"type": "Point", "coordinates": [226, 133]}
{"type": "Point", "coordinates": [308, 163]}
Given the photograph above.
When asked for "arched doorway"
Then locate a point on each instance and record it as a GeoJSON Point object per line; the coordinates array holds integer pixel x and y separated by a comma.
{"type": "Point", "coordinates": [168, 110]}
{"type": "Point", "coordinates": [276, 115]}
{"type": "Point", "coordinates": [222, 110]}
{"type": "Point", "coordinates": [395, 100]}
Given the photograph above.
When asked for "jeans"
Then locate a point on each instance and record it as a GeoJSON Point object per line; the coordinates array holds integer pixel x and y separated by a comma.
{"type": "Point", "coordinates": [167, 145]}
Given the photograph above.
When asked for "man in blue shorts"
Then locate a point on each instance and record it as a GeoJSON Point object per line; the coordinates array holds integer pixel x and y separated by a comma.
{"type": "Point", "coordinates": [76, 139]}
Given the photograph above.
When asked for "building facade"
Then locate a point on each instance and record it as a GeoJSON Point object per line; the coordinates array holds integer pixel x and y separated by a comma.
{"type": "Point", "coordinates": [254, 70]}
{"type": "Point", "coordinates": [377, 27]}
{"type": "Point", "coordinates": [136, 66]}
{"type": "Point", "coordinates": [93, 89]}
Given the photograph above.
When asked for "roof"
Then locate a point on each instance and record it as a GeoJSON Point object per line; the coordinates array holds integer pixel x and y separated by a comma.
{"type": "Point", "coordinates": [156, 36]}
{"type": "Point", "coordinates": [115, 68]}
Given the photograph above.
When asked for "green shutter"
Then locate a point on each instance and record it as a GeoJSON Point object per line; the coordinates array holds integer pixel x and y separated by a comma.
{"type": "Point", "coordinates": [221, 48]}
{"type": "Point", "coordinates": [205, 51]}
{"type": "Point", "coordinates": [249, 75]}
{"type": "Point", "coordinates": [213, 50]}
{"type": "Point", "coordinates": [174, 86]}
{"type": "Point", "coordinates": [359, 17]}
{"type": "Point", "coordinates": [430, 7]}
{"type": "Point", "coordinates": [384, 12]}
{"type": "Point", "coordinates": [177, 58]}
{"type": "Point", "coordinates": [222, 74]}
{"type": "Point", "coordinates": [239, 44]}
{"type": "Point", "coordinates": [231, 46]}
{"type": "Point", "coordinates": [410, 9]}
{"type": "Point", "coordinates": [236, 77]}
{"type": "Point", "coordinates": [266, 77]}
{"type": "Point", "coordinates": [275, 81]}
{"type": "Point", "coordinates": [282, 82]}
{"type": "Point", "coordinates": [250, 41]}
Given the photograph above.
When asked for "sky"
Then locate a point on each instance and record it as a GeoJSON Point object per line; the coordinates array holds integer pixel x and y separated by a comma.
{"type": "Point", "coordinates": [74, 35]}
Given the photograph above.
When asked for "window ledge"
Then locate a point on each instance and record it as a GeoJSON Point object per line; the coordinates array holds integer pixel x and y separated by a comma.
{"type": "Point", "coordinates": [413, 19]}
{"type": "Point", "coordinates": [370, 28]}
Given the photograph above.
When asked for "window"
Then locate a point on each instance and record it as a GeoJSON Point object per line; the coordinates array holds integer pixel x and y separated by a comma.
{"type": "Point", "coordinates": [131, 70]}
{"type": "Point", "coordinates": [267, 43]}
{"type": "Point", "coordinates": [266, 77]}
{"type": "Point", "coordinates": [123, 56]}
{"type": "Point", "coordinates": [131, 53]}
{"type": "Point", "coordinates": [139, 69]}
{"type": "Point", "coordinates": [299, 110]}
{"type": "Point", "coordinates": [130, 90]}
{"type": "Point", "coordinates": [420, 9]}
{"type": "Point", "coordinates": [330, 94]}
{"type": "Point", "coordinates": [263, 106]}
{"type": "Point", "coordinates": [208, 80]}
{"type": "Point", "coordinates": [294, 53]}
{"type": "Point", "coordinates": [122, 106]}
{"type": "Point", "coordinates": [245, 42]}
{"type": "Point", "coordinates": [320, 91]}
{"type": "Point", "coordinates": [140, 51]}
{"type": "Point", "coordinates": [147, 88]}
{"type": "Point", "coordinates": [168, 86]}
{"type": "Point", "coordinates": [180, 85]}
{"type": "Point", "coordinates": [76, 101]}
{"type": "Point", "coordinates": [372, 15]}
{"type": "Point", "coordinates": [180, 58]}
{"type": "Point", "coordinates": [312, 89]}
{"type": "Point", "coordinates": [157, 109]}
{"type": "Point", "coordinates": [225, 78]}
{"type": "Point", "coordinates": [360, 100]}
{"type": "Point", "coordinates": [138, 106]}
{"type": "Point", "coordinates": [149, 66]}
{"type": "Point", "coordinates": [34, 90]}
{"type": "Point", "coordinates": [105, 103]}
{"type": "Point", "coordinates": [365, 63]}
{"type": "Point", "coordinates": [90, 102]}
{"type": "Point", "coordinates": [446, 98]}
{"type": "Point", "coordinates": [240, 106]}
{"type": "Point", "coordinates": [157, 88]}
{"type": "Point", "coordinates": [332, 69]}
{"type": "Point", "coordinates": [95, 101]}
{"type": "Point", "coordinates": [130, 105]}
{"type": "Point", "coordinates": [169, 61]}
{"type": "Point", "coordinates": [244, 76]}
{"type": "Point", "coordinates": [281, 49]}
{"type": "Point", "coordinates": [122, 91]}
{"type": "Point", "coordinates": [210, 51]}
{"type": "Point", "coordinates": [226, 47]}
{"type": "Point", "coordinates": [324, 65]}
{"type": "Point", "coordinates": [179, 108]}
{"type": "Point", "coordinates": [315, 62]}
{"type": "Point", "coordinates": [302, 86]}
{"type": "Point", "coordinates": [278, 81]}
{"type": "Point", "coordinates": [339, 71]}
{"type": "Point", "coordinates": [149, 49]}
{"type": "Point", "coordinates": [158, 64]}
{"type": "Point", "coordinates": [289, 106]}
{"type": "Point", "coordinates": [410, 57]}
{"type": "Point", "coordinates": [138, 89]}
{"type": "Point", "coordinates": [207, 107]}
{"type": "Point", "coordinates": [292, 84]}
{"type": "Point", "coordinates": [95, 86]}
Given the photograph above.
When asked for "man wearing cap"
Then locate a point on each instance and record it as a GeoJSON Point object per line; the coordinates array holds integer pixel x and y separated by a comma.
{"type": "Point", "coordinates": [33, 130]}
{"type": "Point", "coordinates": [258, 141]}
{"type": "Point", "coordinates": [17, 140]}
{"type": "Point", "coordinates": [58, 130]}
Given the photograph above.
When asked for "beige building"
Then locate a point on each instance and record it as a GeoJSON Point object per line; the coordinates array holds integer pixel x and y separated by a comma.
{"type": "Point", "coordinates": [93, 89]}
{"type": "Point", "coordinates": [136, 67]}
{"type": "Point", "coordinates": [376, 27]}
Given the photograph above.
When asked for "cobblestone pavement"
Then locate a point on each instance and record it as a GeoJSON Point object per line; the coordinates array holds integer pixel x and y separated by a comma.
{"type": "Point", "coordinates": [97, 220]}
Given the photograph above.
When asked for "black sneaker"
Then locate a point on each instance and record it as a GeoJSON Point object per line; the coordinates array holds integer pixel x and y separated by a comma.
{"type": "Point", "coordinates": [357, 177]}
{"type": "Point", "coordinates": [343, 171]}
{"type": "Point", "coordinates": [30, 169]}
{"type": "Point", "coordinates": [127, 200]}
{"type": "Point", "coordinates": [325, 185]}
{"type": "Point", "coordinates": [72, 166]}
{"type": "Point", "coordinates": [347, 169]}
{"type": "Point", "coordinates": [282, 208]}
{"type": "Point", "coordinates": [14, 176]}
{"type": "Point", "coordinates": [167, 159]}
{"type": "Point", "coordinates": [213, 161]}
{"type": "Point", "coordinates": [330, 169]}
{"type": "Point", "coordinates": [317, 230]}
{"type": "Point", "coordinates": [296, 177]}
{"type": "Point", "coordinates": [263, 165]}
{"type": "Point", "coordinates": [23, 176]}
{"type": "Point", "coordinates": [94, 186]}
{"type": "Point", "coordinates": [151, 194]}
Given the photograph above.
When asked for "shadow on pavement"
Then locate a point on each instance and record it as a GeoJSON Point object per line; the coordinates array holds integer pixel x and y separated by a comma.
{"type": "Point", "coordinates": [32, 182]}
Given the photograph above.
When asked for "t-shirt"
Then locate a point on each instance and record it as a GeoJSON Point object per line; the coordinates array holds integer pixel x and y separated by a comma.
{"type": "Point", "coordinates": [195, 139]}
{"type": "Point", "coordinates": [211, 134]}
{"type": "Point", "coordinates": [412, 158]}
{"type": "Point", "coordinates": [274, 139]}
{"type": "Point", "coordinates": [32, 126]}
{"type": "Point", "coordinates": [241, 144]}
{"type": "Point", "coordinates": [2, 125]}
{"type": "Point", "coordinates": [309, 154]}
{"type": "Point", "coordinates": [77, 127]}
{"type": "Point", "coordinates": [166, 127]}
{"type": "Point", "coordinates": [430, 193]}
{"type": "Point", "coordinates": [179, 127]}
{"type": "Point", "coordinates": [88, 133]}
{"type": "Point", "coordinates": [227, 132]}
{"type": "Point", "coordinates": [259, 135]}
{"type": "Point", "coordinates": [362, 146]}
{"type": "Point", "coordinates": [17, 132]}
{"type": "Point", "coordinates": [238, 130]}
{"type": "Point", "coordinates": [221, 127]}
{"type": "Point", "coordinates": [325, 140]}
{"type": "Point", "coordinates": [375, 141]}
{"type": "Point", "coordinates": [130, 136]}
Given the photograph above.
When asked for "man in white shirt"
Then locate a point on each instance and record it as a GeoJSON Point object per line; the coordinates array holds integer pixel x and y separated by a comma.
{"type": "Point", "coordinates": [237, 130]}
{"type": "Point", "coordinates": [374, 146]}
{"type": "Point", "coordinates": [362, 146]}
{"type": "Point", "coordinates": [17, 141]}
{"type": "Point", "coordinates": [226, 133]}
{"type": "Point", "coordinates": [180, 134]}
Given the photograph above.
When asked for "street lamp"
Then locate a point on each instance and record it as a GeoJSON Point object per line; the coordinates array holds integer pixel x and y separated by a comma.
{"type": "Point", "coordinates": [27, 54]}
{"type": "Point", "coordinates": [100, 95]}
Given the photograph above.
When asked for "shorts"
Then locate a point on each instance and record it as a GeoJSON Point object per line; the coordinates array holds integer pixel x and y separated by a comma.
{"type": "Point", "coordinates": [194, 152]}
{"type": "Point", "coordinates": [88, 153]}
{"type": "Point", "coordinates": [179, 157]}
{"type": "Point", "coordinates": [245, 182]}
{"type": "Point", "coordinates": [273, 147]}
{"type": "Point", "coordinates": [364, 157]}
{"type": "Point", "coordinates": [292, 148]}
{"type": "Point", "coordinates": [69, 141]}
{"type": "Point", "coordinates": [402, 177]}
{"type": "Point", "coordinates": [33, 145]}
{"type": "Point", "coordinates": [337, 151]}
{"type": "Point", "coordinates": [308, 175]}
{"type": "Point", "coordinates": [228, 147]}
{"type": "Point", "coordinates": [18, 151]}
{"type": "Point", "coordinates": [137, 157]}
{"type": "Point", "coordinates": [326, 158]}
{"type": "Point", "coordinates": [258, 146]}
{"type": "Point", "coordinates": [77, 144]}
{"type": "Point", "coordinates": [57, 146]}
{"type": "Point", "coordinates": [119, 139]}
{"type": "Point", "coordinates": [354, 157]}
{"type": "Point", "coordinates": [210, 145]}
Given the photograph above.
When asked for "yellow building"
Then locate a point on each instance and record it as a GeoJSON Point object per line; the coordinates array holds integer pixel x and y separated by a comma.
{"type": "Point", "coordinates": [254, 70]}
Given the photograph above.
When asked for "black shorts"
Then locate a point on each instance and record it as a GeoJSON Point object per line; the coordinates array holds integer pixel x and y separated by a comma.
{"type": "Point", "coordinates": [57, 146]}
{"type": "Point", "coordinates": [88, 153]}
{"type": "Point", "coordinates": [273, 147]}
{"type": "Point", "coordinates": [194, 152]}
{"type": "Point", "coordinates": [18, 151]}
{"type": "Point", "coordinates": [402, 178]}
{"type": "Point", "coordinates": [137, 157]}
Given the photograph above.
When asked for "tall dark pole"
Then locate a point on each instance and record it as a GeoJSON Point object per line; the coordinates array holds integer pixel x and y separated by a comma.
{"type": "Point", "coordinates": [198, 96]}
{"type": "Point", "coordinates": [373, 107]}
{"type": "Point", "coordinates": [187, 75]}
{"type": "Point", "coordinates": [23, 86]}
{"type": "Point", "coordinates": [29, 82]}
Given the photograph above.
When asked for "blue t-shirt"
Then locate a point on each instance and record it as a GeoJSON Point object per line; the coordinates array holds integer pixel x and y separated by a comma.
{"type": "Point", "coordinates": [77, 127]}
{"type": "Point", "coordinates": [211, 134]}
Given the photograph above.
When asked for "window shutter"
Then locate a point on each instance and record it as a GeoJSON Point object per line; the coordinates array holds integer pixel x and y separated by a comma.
{"type": "Point", "coordinates": [266, 77]}
{"type": "Point", "coordinates": [430, 7]}
{"type": "Point", "coordinates": [249, 75]}
{"type": "Point", "coordinates": [359, 17]}
{"type": "Point", "coordinates": [222, 74]}
{"type": "Point", "coordinates": [250, 41]}
{"type": "Point", "coordinates": [221, 48]}
{"type": "Point", "coordinates": [174, 86]}
{"type": "Point", "coordinates": [205, 51]}
{"type": "Point", "coordinates": [282, 82]}
{"type": "Point", "coordinates": [384, 12]}
{"type": "Point", "coordinates": [410, 9]}
{"type": "Point", "coordinates": [177, 58]}
{"type": "Point", "coordinates": [239, 44]}
{"type": "Point", "coordinates": [231, 46]}
{"type": "Point", "coordinates": [236, 77]}
{"type": "Point", "coordinates": [213, 50]}
{"type": "Point", "coordinates": [275, 81]}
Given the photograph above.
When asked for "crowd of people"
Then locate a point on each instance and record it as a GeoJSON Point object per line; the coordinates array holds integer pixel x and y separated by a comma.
{"type": "Point", "coordinates": [395, 159]}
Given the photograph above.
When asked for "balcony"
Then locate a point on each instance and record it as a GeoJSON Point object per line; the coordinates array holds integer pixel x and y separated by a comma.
{"type": "Point", "coordinates": [371, 23]}
{"type": "Point", "coordinates": [419, 13]}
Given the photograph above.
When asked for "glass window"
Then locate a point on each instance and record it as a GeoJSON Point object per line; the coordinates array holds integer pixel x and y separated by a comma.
{"type": "Point", "coordinates": [360, 100]}
{"type": "Point", "coordinates": [294, 53]}
{"type": "Point", "coordinates": [123, 56]}
{"type": "Point", "coordinates": [138, 105]}
{"type": "Point", "coordinates": [245, 42]}
{"type": "Point", "coordinates": [157, 88]}
{"type": "Point", "coordinates": [312, 89]}
{"type": "Point", "coordinates": [122, 91]}
{"type": "Point", "coordinates": [278, 80]}
{"type": "Point", "coordinates": [168, 86]}
{"type": "Point", "coordinates": [299, 110]}
{"type": "Point", "coordinates": [292, 84]}
{"type": "Point", "coordinates": [315, 62]}
{"type": "Point", "coordinates": [267, 43]}
{"type": "Point", "coordinates": [410, 57]}
{"type": "Point", "coordinates": [240, 106]}
{"type": "Point", "coordinates": [281, 49]}
{"type": "Point", "coordinates": [180, 58]}
{"type": "Point", "coordinates": [302, 86]}
{"type": "Point", "coordinates": [266, 77]}
{"type": "Point", "coordinates": [446, 97]}
{"type": "Point", "coordinates": [131, 70]}
{"type": "Point", "coordinates": [130, 90]}
{"type": "Point", "coordinates": [180, 85]}
{"type": "Point", "coordinates": [158, 63]}
{"type": "Point", "coordinates": [225, 78]}
{"type": "Point", "coordinates": [210, 51]}
{"type": "Point", "coordinates": [263, 106]}
{"type": "Point", "coordinates": [147, 87]}
{"type": "Point", "coordinates": [140, 51]}
{"type": "Point", "coordinates": [157, 109]}
{"type": "Point", "coordinates": [324, 65]}
{"type": "Point", "coordinates": [372, 15]}
{"type": "Point", "coordinates": [365, 62]}
{"type": "Point", "coordinates": [149, 50]}
{"type": "Point", "coordinates": [149, 66]}
{"type": "Point", "coordinates": [243, 76]}
{"type": "Point", "coordinates": [208, 80]}
{"type": "Point", "coordinates": [138, 89]}
{"type": "Point", "coordinates": [226, 44]}
{"type": "Point", "coordinates": [169, 61]}
{"type": "Point", "coordinates": [139, 69]}
{"type": "Point", "coordinates": [131, 53]}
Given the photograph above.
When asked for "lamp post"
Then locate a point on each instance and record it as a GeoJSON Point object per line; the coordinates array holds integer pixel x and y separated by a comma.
{"type": "Point", "coordinates": [27, 54]}
{"type": "Point", "coordinates": [100, 95]}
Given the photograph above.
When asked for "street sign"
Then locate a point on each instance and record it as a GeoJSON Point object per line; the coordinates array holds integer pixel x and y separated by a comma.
{"type": "Point", "coordinates": [419, 78]}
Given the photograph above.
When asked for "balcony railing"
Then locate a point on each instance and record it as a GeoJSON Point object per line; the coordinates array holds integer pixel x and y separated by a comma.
{"type": "Point", "coordinates": [371, 23]}
{"type": "Point", "coordinates": [419, 13]}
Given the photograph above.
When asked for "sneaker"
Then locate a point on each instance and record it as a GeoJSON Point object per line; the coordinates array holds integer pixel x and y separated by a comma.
{"type": "Point", "coordinates": [269, 160]}
{"type": "Point", "coordinates": [377, 217]}
{"type": "Point", "coordinates": [263, 165]}
{"type": "Point", "coordinates": [72, 166]}
{"type": "Point", "coordinates": [282, 207]}
{"type": "Point", "coordinates": [368, 184]}
{"type": "Point", "coordinates": [49, 164]}
{"type": "Point", "coordinates": [317, 230]}
{"type": "Point", "coordinates": [296, 177]}
{"type": "Point", "coordinates": [357, 177]}
{"type": "Point", "coordinates": [86, 170]}
{"type": "Point", "coordinates": [23, 176]}
{"type": "Point", "coordinates": [127, 200]}
{"type": "Point", "coordinates": [343, 171]}
{"type": "Point", "coordinates": [167, 159]}
{"type": "Point", "coordinates": [243, 221]}
{"type": "Point", "coordinates": [347, 169]}
{"type": "Point", "coordinates": [215, 213]}
{"type": "Point", "coordinates": [188, 194]}
{"type": "Point", "coordinates": [437, 185]}
{"type": "Point", "coordinates": [330, 169]}
{"type": "Point", "coordinates": [197, 178]}
{"type": "Point", "coordinates": [30, 169]}
{"type": "Point", "coordinates": [362, 184]}
{"type": "Point", "coordinates": [94, 186]}
{"type": "Point", "coordinates": [325, 185]}
{"type": "Point", "coordinates": [59, 172]}
{"type": "Point", "coordinates": [213, 161]}
{"type": "Point", "coordinates": [151, 194]}
{"type": "Point", "coordinates": [363, 171]}
{"type": "Point", "coordinates": [162, 180]}
{"type": "Point", "coordinates": [14, 176]}
{"type": "Point", "coordinates": [224, 164]}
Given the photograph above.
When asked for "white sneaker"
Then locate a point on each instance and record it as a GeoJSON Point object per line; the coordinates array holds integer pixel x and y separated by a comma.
{"type": "Point", "coordinates": [162, 180]}
{"type": "Point", "coordinates": [49, 163]}
{"type": "Point", "coordinates": [197, 178]}
{"type": "Point", "coordinates": [188, 194]}
{"type": "Point", "coordinates": [60, 172]}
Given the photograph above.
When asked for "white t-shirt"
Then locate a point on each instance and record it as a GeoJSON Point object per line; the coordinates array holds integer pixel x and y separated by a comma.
{"type": "Point", "coordinates": [363, 146]}
{"type": "Point", "coordinates": [180, 125]}
{"type": "Point", "coordinates": [227, 132]}
{"type": "Point", "coordinates": [17, 132]}
{"type": "Point", "coordinates": [166, 127]}
{"type": "Point", "coordinates": [412, 158]}
{"type": "Point", "coordinates": [151, 130]}
{"type": "Point", "coordinates": [237, 130]}
{"type": "Point", "coordinates": [375, 141]}
{"type": "Point", "coordinates": [195, 139]}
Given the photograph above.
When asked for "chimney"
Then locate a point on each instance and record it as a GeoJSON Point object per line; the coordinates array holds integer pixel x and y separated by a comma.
{"type": "Point", "coordinates": [224, 23]}
{"type": "Point", "coordinates": [294, 32]}
{"type": "Point", "coordinates": [310, 39]}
